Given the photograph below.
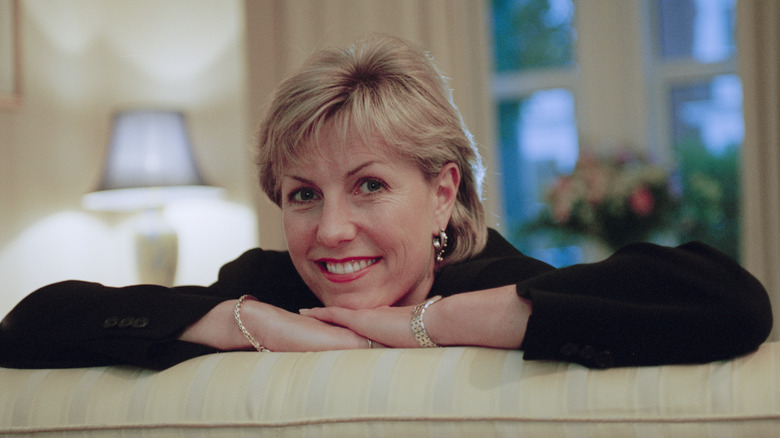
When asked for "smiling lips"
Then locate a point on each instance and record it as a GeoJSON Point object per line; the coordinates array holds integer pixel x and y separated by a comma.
{"type": "Point", "coordinates": [347, 268]}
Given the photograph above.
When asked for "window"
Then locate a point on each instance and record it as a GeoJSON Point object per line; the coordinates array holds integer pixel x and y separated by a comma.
{"type": "Point", "coordinates": [534, 90]}
{"type": "Point", "coordinates": [694, 69]}
{"type": "Point", "coordinates": [567, 70]}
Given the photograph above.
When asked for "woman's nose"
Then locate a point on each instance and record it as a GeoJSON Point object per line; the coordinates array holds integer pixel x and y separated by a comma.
{"type": "Point", "coordinates": [336, 223]}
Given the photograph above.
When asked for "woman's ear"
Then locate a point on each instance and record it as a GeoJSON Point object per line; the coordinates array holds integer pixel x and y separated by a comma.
{"type": "Point", "coordinates": [446, 191]}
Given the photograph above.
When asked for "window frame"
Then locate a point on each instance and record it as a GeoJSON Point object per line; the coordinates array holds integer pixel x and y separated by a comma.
{"type": "Point", "coordinates": [663, 76]}
{"type": "Point", "coordinates": [636, 112]}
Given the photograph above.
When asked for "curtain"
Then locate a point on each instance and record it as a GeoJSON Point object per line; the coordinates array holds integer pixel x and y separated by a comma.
{"type": "Point", "coordinates": [282, 34]}
{"type": "Point", "coordinates": [758, 33]}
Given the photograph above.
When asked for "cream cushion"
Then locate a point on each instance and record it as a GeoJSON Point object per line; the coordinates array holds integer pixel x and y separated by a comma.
{"type": "Point", "coordinates": [447, 392]}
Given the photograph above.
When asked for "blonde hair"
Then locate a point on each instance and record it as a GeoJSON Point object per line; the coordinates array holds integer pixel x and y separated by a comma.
{"type": "Point", "coordinates": [387, 87]}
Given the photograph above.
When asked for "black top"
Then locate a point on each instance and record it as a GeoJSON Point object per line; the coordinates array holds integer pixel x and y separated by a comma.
{"type": "Point", "coordinates": [644, 305]}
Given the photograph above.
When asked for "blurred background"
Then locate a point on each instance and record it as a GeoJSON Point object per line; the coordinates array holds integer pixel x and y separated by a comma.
{"type": "Point", "coordinates": [601, 121]}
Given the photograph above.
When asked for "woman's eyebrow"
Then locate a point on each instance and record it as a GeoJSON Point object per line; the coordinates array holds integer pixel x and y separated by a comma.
{"type": "Point", "coordinates": [352, 172]}
{"type": "Point", "coordinates": [361, 167]}
{"type": "Point", "coordinates": [299, 179]}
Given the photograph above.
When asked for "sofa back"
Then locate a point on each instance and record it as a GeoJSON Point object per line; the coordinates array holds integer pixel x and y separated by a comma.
{"type": "Point", "coordinates": [451, 392]}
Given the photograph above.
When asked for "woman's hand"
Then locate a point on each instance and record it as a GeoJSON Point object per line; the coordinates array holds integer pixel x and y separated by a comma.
{"type": "Point", "coordinates": [490, 318]}
{"type": "Point", "coordinates": [274, 328]}
{"type": "Point", "coordinates": [387, 326]}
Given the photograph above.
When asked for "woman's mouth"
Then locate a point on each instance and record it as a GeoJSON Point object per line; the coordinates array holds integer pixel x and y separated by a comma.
{"type": "Point", "coordinates": [347, 267]}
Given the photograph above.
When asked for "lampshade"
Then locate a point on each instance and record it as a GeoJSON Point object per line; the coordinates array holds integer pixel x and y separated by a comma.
{"type": "Point", "coordinates": [149, 163]}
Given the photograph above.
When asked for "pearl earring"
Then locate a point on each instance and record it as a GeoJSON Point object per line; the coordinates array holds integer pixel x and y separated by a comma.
{"type": "Point", "coordinates": [439, 244]}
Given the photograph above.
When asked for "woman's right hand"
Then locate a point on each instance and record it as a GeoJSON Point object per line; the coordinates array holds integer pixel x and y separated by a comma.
{"type": "Point", "coordinates": [274, 328]}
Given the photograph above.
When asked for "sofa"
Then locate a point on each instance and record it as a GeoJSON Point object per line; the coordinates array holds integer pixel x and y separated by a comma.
{"type": "Point", "coordinates": [445, 392]}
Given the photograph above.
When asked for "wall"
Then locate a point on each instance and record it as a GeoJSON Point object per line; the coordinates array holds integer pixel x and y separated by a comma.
{"type": "Point", "coordinates": [758, 35]}
{"type": "Point", "coordinates": [81, 61]}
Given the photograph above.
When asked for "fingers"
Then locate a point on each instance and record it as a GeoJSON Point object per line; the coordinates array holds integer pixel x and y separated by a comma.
{"type": "Point", "coordinates": [280, 330]}
{"type": "Point", "coordinates": [331, 338]}
{"type": "Point", "coordinates": [340, 317]}
{"type": "Point", "coordinates": [331, 315]}
{"type": "Point", "coordinates": [389, 326]}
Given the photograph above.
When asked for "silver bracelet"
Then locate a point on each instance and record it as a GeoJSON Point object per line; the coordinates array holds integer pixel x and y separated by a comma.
{"type": "Point", "coordinates": [418, 328]}
{"type": "Point", "coordinates": [244, 331]}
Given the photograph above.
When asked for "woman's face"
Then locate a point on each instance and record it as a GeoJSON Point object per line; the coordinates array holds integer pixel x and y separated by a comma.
{"type": "Point", "coordinates": [359, 223]}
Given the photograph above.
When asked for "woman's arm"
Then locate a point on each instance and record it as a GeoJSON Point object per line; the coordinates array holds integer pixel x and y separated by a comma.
{"type": "Point", "coordinates": [645, 305]}
{"type": "Point", "coordinates": [494, 317]}
{"type": "Point", "coordinates": [274, 328]}
{"type": "Point", "coordinates": [78, 324]}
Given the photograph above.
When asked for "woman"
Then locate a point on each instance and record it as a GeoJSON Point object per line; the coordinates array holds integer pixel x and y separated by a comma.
{"type": "Point", "coordinates": [379, 182]}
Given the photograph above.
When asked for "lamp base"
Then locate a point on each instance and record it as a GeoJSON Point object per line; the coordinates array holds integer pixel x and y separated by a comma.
{"type": "Point", "coordinates": [157, 249]}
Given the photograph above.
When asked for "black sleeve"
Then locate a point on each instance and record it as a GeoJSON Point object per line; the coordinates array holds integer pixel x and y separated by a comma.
{"type": "Point", "coordinates": [644, 305]}
{"type": "Point", "coordinates": [647, 305]}
{"type": "Point", "coordinates": [77, 324]}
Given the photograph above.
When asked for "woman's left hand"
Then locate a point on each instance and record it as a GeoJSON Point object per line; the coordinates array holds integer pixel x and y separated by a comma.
{"type": "Point", "coordinates": [489, 318]}
{"type": "Point", "coordinates": [387, 326]}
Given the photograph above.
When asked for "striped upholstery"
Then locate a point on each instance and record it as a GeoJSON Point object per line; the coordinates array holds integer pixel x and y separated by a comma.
{"type": "Point", "coordinates": [448, 392]}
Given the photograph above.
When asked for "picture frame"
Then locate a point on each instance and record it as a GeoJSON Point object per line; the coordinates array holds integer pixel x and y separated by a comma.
{"type": "Point", "coordinates": [10, 55]}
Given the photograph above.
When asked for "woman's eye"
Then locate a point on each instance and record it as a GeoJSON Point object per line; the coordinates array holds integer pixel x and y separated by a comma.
{"type": "Point", "coordinates": [303, 195]}
{"type": "Point", "coordinates": [371, 186]}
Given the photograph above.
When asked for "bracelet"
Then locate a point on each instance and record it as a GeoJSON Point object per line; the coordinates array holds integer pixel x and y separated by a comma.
{"type": "Point", "coordinates": [418, 328]}
{"type": "Point", "coordinates": [244, 331]}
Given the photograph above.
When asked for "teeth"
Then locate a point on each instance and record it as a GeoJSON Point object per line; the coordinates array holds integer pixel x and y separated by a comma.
{"type": "Point", "coordinates": [349, 267]}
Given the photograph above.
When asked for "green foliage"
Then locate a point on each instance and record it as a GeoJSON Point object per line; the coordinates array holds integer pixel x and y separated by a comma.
{"type": "Point", "coordinates": [528, 35]}
{"type": "Point", "coordinates": [710, 182]}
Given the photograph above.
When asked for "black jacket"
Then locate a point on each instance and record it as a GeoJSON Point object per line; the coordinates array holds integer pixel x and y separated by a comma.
{"type": "Point", "coordinates": [645, 305]}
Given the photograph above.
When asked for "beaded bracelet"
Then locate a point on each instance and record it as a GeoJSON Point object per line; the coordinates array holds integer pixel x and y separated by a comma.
{"type": "Point", "coordinates": [418, 328]}
{"type": "Point", "coordinates": [244, 331]}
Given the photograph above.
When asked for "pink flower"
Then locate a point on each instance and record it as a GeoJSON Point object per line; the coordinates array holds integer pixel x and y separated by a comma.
{"type": "Point", "coordinates": [597, 182]}
{"type": "Point", "coordinates": [560, 198]}
{"type": "Point", "coordinates": [642, 201]}
{"type": "Point", "coordinates": [562, 213]}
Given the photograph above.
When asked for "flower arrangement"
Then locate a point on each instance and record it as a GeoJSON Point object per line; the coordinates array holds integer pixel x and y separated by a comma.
{"type": "Point", "coordinates": [617, 199]}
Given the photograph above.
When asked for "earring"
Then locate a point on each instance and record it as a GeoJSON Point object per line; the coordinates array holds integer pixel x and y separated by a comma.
{"type": "Point", "coordinates": [439, 244]}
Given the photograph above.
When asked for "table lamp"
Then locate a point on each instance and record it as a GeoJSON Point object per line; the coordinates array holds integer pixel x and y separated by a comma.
{"type": "Point", "coordinates": [150, 164]}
